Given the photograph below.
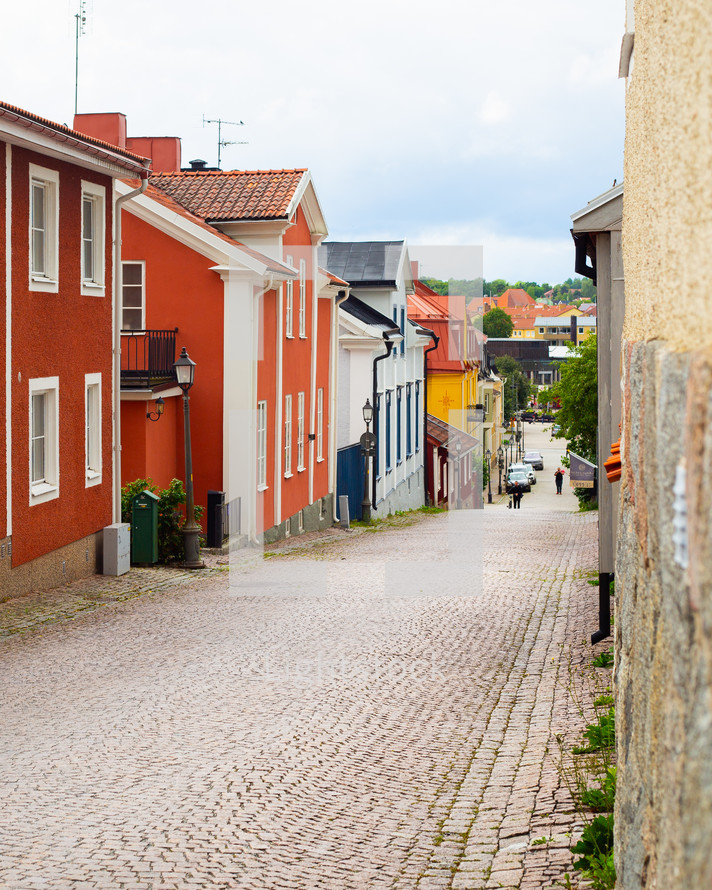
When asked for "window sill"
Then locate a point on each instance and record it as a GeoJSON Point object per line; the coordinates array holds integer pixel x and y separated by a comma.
{"type": "Point", "coordinates": [43, 492]}
{"type": "Point", "coordinates": [288, 475]}
{"type": "Point", "coordinates": [301, 469]}
{"type": "Point", "coordinates": [262, 487]}
{"type": "Point", "coordinates": [92, 289]}
{"type": "Point", "coordinates": [93, 479]}
{"type": "Point", "coordinates": [289, 336]}
{"type": "Point", "coordinates": [320, 460]}
{"type": "Point", "coordinates": [44, 285]}
{"type": "Point", "coordinates": [302, 336]}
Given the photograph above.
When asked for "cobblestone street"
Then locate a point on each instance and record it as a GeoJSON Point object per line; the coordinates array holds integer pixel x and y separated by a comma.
{"type": "Point", "coordinates": [375, 709]}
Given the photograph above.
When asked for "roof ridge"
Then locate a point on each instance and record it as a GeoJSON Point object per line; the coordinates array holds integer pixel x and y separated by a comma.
{"type": "Point", "coordinates": [230, 172]}
{"type": "Point", "coordinates": [76, 134]}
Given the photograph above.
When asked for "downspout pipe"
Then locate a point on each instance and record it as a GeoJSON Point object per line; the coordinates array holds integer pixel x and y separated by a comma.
{"type": "Point", "coordinates": [118, 318]}
{"type": "Point", "coordinates": [426, 462]}
{"type": "Point", "coordinates": [379, 358]}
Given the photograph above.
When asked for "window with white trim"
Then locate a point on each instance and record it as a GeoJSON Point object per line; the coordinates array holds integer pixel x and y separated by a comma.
{"type": "Point", "coordinates": [92, 428]}
{"type": "Point", "coordinates": [44, 439]}
{"type": "Point", "coordinates": [289, 317]}
{"type": "Point", "coordinates": [288, 435]}
{"type": "Point", "coordinates": [302, 298]}
{"type": "Point", "coordinates": [262, 445]}
{"type": "Point", "coordinates": [93, 221]}
{"type": "Point", "coordinates": [320, 424]}
{"type": "Point", "coordinates": [300, 432]}
{"type": "Point", "coordinates": [44, 229]}
{"type": "Point", "coordinates": [133, 293]}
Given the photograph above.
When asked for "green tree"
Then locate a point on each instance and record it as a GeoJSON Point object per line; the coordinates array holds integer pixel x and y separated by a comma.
{"type": "Point", "coordinates": [496, 323]}
{"type": "Point", "coordinates": [516, 388]}
{"type": "Point", "coordinates": [588, 289]}
{"type": "Point", "coordinates": [577, 392]}
{"type": "Point", "coordinates": [496, 287]}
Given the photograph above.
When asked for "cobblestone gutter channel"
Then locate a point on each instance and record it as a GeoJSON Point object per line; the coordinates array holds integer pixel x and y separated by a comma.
{"type": "Point", "coordinates": [187, 735]}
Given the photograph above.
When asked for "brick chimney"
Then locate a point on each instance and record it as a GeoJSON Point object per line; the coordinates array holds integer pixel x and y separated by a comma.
{"type": "Point", "coordinates": [164, 151]}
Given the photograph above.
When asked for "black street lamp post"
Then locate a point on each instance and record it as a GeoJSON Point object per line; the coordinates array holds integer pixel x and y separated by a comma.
{"type": "Point", "coordinates": [185, 371]}
{"type": "Point", "coordinates": [488, 455]}
{"type": "Point", "coordinates": [368, 446]}
{"type": "Point", "coordinates": [500, 465]}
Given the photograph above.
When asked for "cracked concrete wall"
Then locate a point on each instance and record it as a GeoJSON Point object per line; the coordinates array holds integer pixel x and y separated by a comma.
{"type": "Point", "coordinates": [663, 670]}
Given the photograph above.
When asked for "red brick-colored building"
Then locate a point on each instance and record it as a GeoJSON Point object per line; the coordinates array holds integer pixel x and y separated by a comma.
{"type": "Point", "coordinates": [228, 258]}
{"type": "Point", "coordinates": [56, 347]}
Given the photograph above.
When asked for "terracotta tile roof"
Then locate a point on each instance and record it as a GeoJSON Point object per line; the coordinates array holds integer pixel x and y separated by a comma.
{"type": "Point", "coordinates": [65, 134]}
{"type": "Point", "coordinates": [224, 195]}
{"type": "Point", "coordinates": [168, 202]}
{"type": "Point", "coordinates": [514, 296]}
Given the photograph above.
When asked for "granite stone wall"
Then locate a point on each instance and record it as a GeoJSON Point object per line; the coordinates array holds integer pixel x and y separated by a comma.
{"type": "Point", "coordinates": [663, 629]}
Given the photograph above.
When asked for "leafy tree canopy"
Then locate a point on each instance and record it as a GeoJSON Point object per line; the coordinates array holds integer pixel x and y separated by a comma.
{"type": "Point", "coordinates": [578, 393]}
{"type": "Point", "coordinates": [497, 323]}
{"type": "Point", "coordinates": [516, 388]}
{"type": "Point", "coordinates": [566, 292]}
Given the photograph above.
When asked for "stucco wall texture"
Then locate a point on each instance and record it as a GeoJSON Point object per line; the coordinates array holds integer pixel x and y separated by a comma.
{"type": "Point", "coordinates": [663, 675]}
{"type": "Point", "coordinates": [667, 204]}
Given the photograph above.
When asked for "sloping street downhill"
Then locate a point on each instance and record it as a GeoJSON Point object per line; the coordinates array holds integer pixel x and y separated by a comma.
{"type": "Point", "coordinates": [374, 709]}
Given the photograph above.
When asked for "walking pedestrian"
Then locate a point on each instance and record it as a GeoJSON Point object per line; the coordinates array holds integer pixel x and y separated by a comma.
{"type": "Point", "coordinates": [517, 495]}
{"type": "Point", "coordinates": [559, 479]}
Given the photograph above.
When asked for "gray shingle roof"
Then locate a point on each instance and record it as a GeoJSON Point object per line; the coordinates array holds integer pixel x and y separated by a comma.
{"type": "Point", "coordinates": [363, 263]}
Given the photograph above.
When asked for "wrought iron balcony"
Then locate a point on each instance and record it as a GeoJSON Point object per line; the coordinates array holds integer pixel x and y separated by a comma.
{"type": "Point", "coordinates": [147, 358]}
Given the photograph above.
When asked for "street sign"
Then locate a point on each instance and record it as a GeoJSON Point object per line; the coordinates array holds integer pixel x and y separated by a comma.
{"type": "Point", "coordinates": [368, 444]}
{"type": "Point", "coordinates": [582, 473]}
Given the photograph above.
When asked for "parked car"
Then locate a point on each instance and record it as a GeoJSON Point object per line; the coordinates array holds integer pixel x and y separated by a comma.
{"type": "Point", "coordinates": [535, 458]}
{"type": "Point", "coordinates": [523, 468]}
{"type": "Point", "coordinates": [529, 416]}
{"type": "Point", "coordinates": [547, 418]}
{"type": "Point", "coordinates": [521, 478]}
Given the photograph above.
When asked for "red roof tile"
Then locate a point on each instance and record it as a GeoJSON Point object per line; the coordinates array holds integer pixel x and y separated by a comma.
{"type": "Point", "coordinates": [168, 202]}
{"type": "Point", "coordinates": [224, 195]}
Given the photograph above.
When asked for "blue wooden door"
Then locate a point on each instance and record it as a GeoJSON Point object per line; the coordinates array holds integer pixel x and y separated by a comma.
{"type": "Point", "coordinates": [349, 478]}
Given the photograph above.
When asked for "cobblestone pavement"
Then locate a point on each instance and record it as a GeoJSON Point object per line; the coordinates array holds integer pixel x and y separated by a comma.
{"type": "Point", "coordinates": [371, 711]}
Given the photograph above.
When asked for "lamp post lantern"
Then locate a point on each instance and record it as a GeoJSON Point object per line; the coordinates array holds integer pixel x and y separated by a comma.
{"type": "Point", "coordinates": [185, 374]}
{"type": "Point", "coordinates": [500, 465]}
{"type": "Point", "coordinates": [368, 448]}
{"type": "Point", "coordinates": [488, 455]}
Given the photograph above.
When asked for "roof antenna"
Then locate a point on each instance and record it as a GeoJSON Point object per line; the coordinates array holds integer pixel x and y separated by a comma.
{"type": "Point", "coordinates": [80, 29]}
{"type": "Point", "coordinates": [221, 141]}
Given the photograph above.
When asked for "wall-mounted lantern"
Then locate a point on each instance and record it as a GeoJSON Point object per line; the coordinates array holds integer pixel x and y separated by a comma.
{"type": "Point", "coordinates": [160, 407]}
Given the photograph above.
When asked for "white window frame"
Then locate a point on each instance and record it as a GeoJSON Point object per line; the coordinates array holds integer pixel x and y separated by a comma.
{"type": "Point", "coordinates": [288, 437]}
{"type": "Point", "coordinates": [47, 279]}
{"type": "Point", "coordinates": [261, 445]}
{"type": "Point", "coordinates": [300, 433]}
{"type": "Point", "coordinates": [96, 195]}
{"type": "Point", "coordinates": [92, 429]}
{"type": "Point", "coordinates": [46, 489]}
{"type": "Point", "coordinates": [289, 302]}
{"type": "Point", "coordinates": [142, 264]}
{"type": "Point", "coordinates": [302, 298]}
{"type": "Point", "coordinates": [320, 425]}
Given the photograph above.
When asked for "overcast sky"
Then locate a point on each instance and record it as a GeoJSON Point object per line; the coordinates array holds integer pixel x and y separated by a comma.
{"type": "Point", "coordinates": [482, 122]}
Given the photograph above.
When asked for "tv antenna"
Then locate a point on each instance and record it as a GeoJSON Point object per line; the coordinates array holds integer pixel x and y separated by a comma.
{"type": "Point", "coordinates": [222, 142]}
{"type": "Point", "coordinates": [80, 29]}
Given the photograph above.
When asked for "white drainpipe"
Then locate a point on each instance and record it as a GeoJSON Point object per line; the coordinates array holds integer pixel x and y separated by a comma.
{"type": "Point", "coordinates": [118, 318]}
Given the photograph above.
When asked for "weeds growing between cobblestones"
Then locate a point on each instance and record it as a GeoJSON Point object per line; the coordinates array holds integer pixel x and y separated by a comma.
{"type": "Point", "coordinates": [589, 773]}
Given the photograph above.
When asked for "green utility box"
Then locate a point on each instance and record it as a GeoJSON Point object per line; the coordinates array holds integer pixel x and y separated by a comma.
{"type": "Point", "coordinates": [144, 528]}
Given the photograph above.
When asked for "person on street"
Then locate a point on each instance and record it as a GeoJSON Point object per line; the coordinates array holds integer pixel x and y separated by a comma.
{"type": "Point", "coordinates": [517, 495]}
{"type": "Point", "coordinates": [559, 479]}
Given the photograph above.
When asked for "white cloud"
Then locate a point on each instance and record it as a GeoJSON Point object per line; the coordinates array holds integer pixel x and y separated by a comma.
{"type": "Point", "coordinates": [494, 110]}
